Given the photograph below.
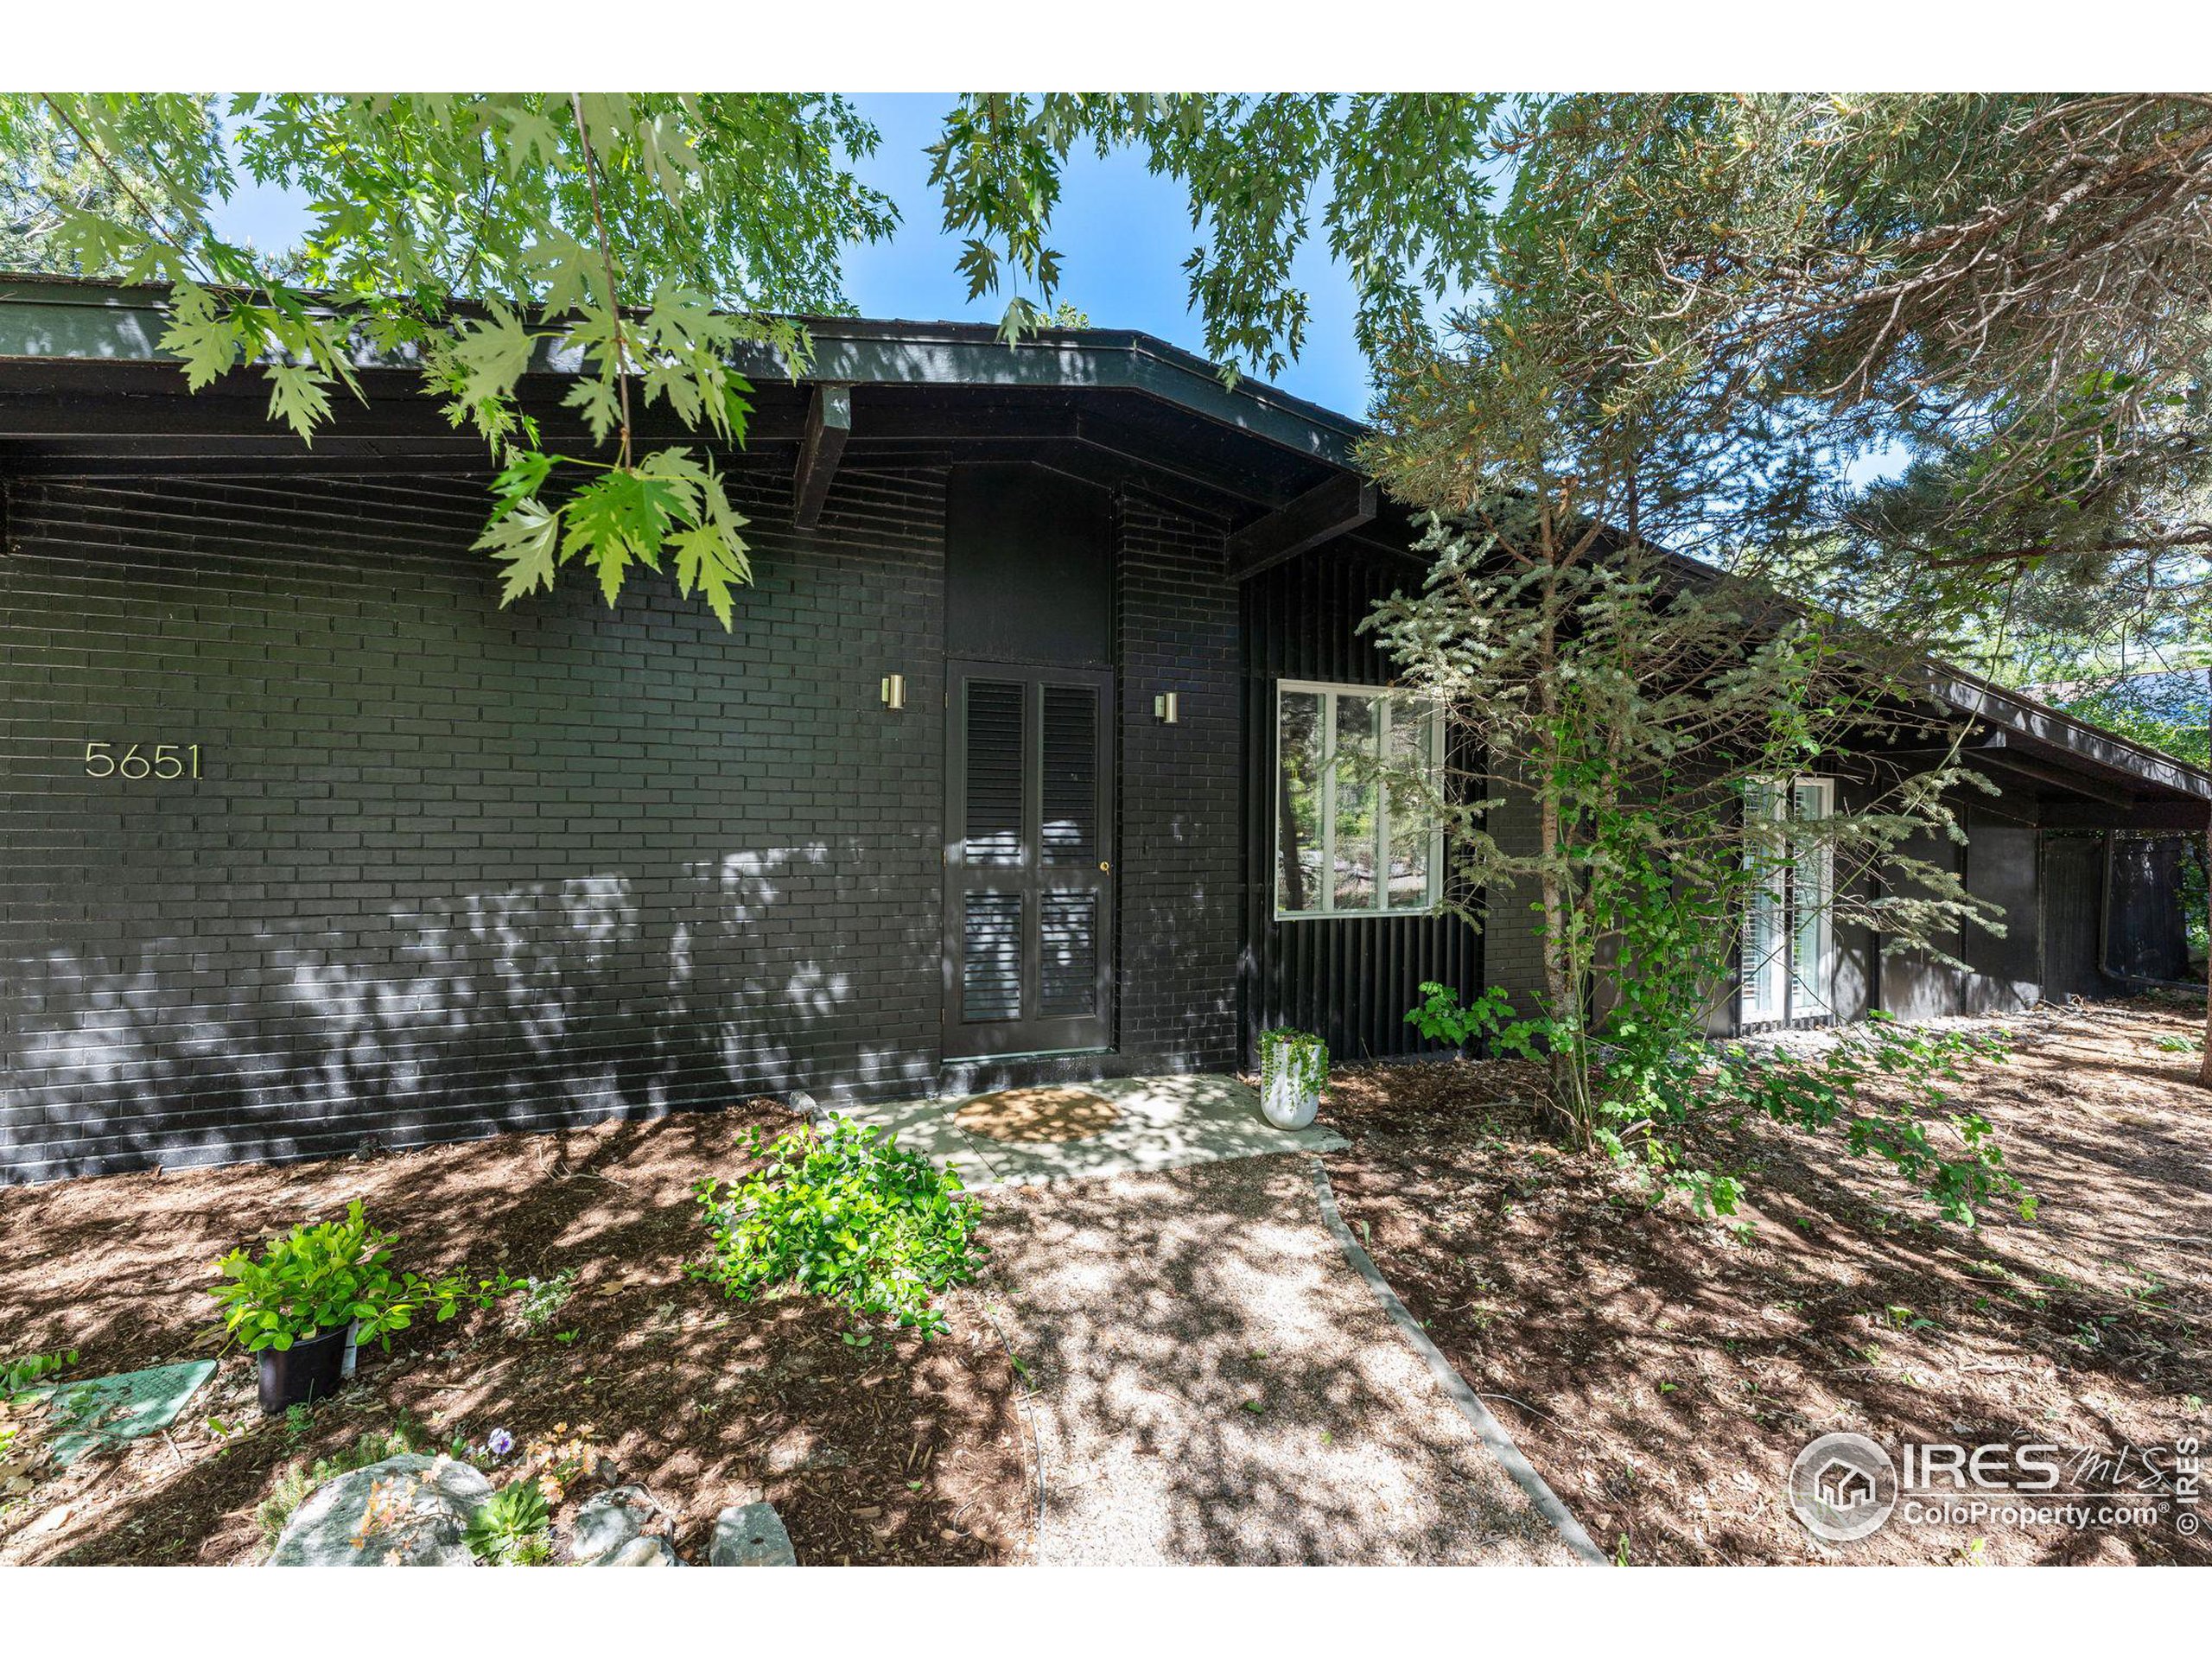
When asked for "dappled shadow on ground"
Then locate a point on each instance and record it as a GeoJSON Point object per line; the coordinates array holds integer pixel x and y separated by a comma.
{"type": "Point", "coordinates": [1158, 1122]}
{"type": "Point", "coordinates": [1662, 1373]}
{"type": "Point", "coordinates": [896, 1451]}
{"type": "Point", "coordinates": [1213, 1384]}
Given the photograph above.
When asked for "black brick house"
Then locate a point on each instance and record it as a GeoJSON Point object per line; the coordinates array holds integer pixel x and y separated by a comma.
{"type": "Point", "coordinates": [304, 840]}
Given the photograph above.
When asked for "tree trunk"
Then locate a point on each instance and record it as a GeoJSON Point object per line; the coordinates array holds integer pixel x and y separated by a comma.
{"type": "Point", "coordinates": [1570, 1086]}
{"type": "Point", "coordinates": [1561, 992]}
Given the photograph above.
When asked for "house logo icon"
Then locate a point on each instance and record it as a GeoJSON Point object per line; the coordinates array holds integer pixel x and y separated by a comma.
{"type": "Point", "coordinates": [1842, 1484]}
{"type": "Point", "coordinates": [1843, 1487]}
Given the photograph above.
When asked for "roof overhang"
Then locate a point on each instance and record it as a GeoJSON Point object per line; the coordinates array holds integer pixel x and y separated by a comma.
{"type": "Point", "coordinates": [45, 318]}
{"type": "Point", "coordinates": [2018, 735]}
{"type": "Point", "coordinates": [86, 389]}
{"type": "Point", "coordinates": [2105, 779]}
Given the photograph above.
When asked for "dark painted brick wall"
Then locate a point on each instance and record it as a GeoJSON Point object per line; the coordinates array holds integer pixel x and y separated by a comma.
{"type": "Point", "coordinates": [1181, 857]}
{"type": "Point", "coordinates": [1513, 952]}
{"type": "Point", "coordinates": [452, 869]}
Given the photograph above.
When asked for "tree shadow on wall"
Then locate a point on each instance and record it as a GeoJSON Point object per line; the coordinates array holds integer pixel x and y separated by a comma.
{"type": "Point", "coordinates": [532, 1007]}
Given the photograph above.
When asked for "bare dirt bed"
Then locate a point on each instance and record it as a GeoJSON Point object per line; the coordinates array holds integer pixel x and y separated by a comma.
{"type": "Point", "coordinates": [1662, 1373]}
{"type": "Point", "coordinates": [897, 1452]}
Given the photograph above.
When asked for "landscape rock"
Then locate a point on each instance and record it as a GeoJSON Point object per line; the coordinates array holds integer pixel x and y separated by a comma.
{"type": "Point", "coordinates": [406, 1511]}
{"type": "Point", "coordinates": [750, 1534]}
{"type": "Point", "coordinates": [609, 1530]}
{"type": "Point", "coordinates": [650, 1550]}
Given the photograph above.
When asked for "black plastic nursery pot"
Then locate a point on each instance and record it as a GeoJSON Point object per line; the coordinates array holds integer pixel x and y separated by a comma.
{"type": "Point", "coordinates": [307, 1370]}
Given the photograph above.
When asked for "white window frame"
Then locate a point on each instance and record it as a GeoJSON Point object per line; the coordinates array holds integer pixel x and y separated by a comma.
{"type": "Point", "coordinates": [1775, 990]}
{"type": "Point", "coordinates": [1386, 698]}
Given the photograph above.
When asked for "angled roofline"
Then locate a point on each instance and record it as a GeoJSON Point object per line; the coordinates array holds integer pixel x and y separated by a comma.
{"type": "Point", "coordinates": [2004, 709]}
{"type": "Point", "coordinates": [47, 316]}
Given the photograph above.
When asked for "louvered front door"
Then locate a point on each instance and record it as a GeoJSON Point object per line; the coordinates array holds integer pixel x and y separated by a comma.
{"type": "Point", "coordinates": [1028, 861]}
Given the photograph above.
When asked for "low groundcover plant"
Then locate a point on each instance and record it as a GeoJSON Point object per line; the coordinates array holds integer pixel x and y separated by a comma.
{"type": "Point", "coordinates": [842, 1212]}
{"type": "Point", "coordinates": [512, 1528]}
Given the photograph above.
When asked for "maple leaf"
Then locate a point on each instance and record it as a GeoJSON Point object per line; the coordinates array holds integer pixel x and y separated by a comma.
{"type": "Point", "coordinates": [297, 397]}
{"type": "Point", "coordinates": [570, 270]}
{"type": "Point", "coordinates": [525, 539]}
{"type": "Point", "coordinates": [622, 518]}
{"type": "Point", "coordinates": [492, 356]}
{"type": "Point", "coordinates": [710, 560]}
{"type": "Point", "coordinates": [206, 337]}
{"type": "Point", "coordinates": [599, 404]}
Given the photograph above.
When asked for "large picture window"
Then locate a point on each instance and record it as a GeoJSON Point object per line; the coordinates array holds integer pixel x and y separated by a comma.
{"type": "Point", "coordinates": [1348, 841]}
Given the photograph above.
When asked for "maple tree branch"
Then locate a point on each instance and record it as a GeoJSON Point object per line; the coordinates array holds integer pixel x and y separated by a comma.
{"type": "Point", "coordinates": [607, 259]}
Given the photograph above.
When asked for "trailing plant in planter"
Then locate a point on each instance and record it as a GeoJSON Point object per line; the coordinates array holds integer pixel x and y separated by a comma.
{"type": "Point", "coordinates": [309, 1289]}
{"type": "Point", "coordinates": [842, 1212]}
{"type": "Point", "coordinates": [1294, 1068]}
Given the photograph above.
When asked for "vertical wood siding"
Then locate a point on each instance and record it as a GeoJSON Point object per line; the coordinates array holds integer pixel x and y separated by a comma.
{"type": "Point", "coordinates": [1349, 979]}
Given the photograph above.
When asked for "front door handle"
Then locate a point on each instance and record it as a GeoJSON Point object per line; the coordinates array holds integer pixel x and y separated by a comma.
{"type": "Point", "coordinates": [1105, 864]}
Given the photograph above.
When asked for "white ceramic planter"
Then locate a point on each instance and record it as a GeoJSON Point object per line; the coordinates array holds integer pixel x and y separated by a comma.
{"type": "Point", "coordinates": [1291, 1075]}
{"type": "Point", "coordinates": [1288, 1107]}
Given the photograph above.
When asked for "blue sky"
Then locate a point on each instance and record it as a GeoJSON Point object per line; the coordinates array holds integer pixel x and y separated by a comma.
{"type": "Point", "coordinates": [1122, 235]}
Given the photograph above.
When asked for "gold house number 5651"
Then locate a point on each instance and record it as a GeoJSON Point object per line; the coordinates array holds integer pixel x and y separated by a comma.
{"type": "Point", "coordinates": [165, 761]}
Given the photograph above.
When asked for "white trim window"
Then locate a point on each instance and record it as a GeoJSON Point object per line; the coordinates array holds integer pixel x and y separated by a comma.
{"type": "Point", "coordinates": [1347, 842]}
{"type": "Point", "coordinates": [1789, 962]}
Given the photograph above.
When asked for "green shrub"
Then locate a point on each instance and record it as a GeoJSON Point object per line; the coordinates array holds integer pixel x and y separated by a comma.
{"type": "Point", "coordinates": [1831, 1092]}
{"type": "Point", "coordinates": [1489, 1017]}
{"type": "Point", "coordinates": [17, 1376]}
{"type": "Point", "coordinates": [319, 1277]}
{"type": "Point", "coordinates": [1652, 1081]}
{"type": "Point", "coordinates": [512, 1529]}
{"type": "Point", "coordinates": [842, 1213]}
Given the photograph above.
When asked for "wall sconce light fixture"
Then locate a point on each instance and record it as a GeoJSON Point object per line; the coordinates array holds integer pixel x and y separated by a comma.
{"type": "Point", "coordinates": [1164, 708]}
{"type": "Point", "coordinates": [894, 692]}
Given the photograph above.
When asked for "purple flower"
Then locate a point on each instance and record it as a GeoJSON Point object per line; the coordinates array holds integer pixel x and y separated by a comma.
{"type": "Point", "coordinates": [499, 1442]}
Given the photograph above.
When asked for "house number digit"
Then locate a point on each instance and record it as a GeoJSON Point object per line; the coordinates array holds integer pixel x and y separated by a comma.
{"type": "Point", "coordinates": [167, 762]}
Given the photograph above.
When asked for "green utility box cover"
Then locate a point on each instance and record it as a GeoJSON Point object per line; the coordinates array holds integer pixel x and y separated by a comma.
{"type": "Point", "coordinates": [81, 1415]}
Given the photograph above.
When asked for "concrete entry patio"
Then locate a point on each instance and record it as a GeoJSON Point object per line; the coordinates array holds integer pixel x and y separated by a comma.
{"type": "Point", "coordinates": [1212, 1382]}
{"type": "Point", "coordinates": [1209, 1379]}
{"type": "Point", "coordinates": [1165, 1122]}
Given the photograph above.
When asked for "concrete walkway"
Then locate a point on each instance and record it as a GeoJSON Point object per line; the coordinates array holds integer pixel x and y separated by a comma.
{"type": "Point", "coordinates": [1164, 1123]}
{"type": "Point", "coordinates": [1214, 1382]}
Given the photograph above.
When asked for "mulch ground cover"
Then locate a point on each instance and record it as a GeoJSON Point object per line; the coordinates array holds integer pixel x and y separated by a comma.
{"type": "Point", "coordinates": [1661, 1372]}
{"type": "Point", "coordinates": [894, 1451]}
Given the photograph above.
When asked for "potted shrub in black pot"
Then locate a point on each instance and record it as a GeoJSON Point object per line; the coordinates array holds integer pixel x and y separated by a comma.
{"type": "Point", "coordinates": [299, 1302]}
